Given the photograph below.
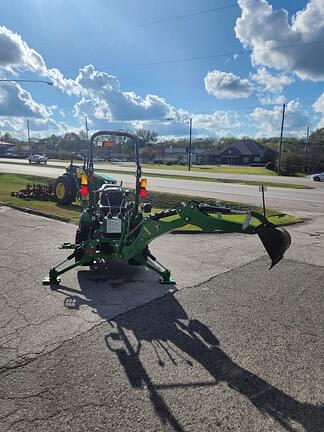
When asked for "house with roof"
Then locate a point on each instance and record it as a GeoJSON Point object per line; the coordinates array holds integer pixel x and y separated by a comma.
{"type": "Point", "coordinates": [242, 152]}
{"type": "Point", "coordinates": [180, 155]}
{"type": "Point", "coordinates": [5, 148]}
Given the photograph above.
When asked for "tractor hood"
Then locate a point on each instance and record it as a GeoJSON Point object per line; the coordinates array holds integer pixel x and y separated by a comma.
{"type": "Point", "coordinates": [101, 179]}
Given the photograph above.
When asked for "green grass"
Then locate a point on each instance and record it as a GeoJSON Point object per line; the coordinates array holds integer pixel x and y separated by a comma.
{"type": "Point", "coordinates": [194, 178]}
{"type": "Point", "coordinates": [213, 180]}
{"type": "Point", "coordinates": [14, 182]}
{"type": "Point", "coordinates": [216, 169]}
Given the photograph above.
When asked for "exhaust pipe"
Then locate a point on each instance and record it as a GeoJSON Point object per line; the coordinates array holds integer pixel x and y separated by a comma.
{"type": "Point", "coordinates": [275, 240]}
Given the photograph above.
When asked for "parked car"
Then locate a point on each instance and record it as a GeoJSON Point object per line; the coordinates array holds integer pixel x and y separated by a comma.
{"type": "Point", "coordinates": [38, 159]}
{"type": "Point", "coordinates": [318, 177]}
{"type": "Point", "coordinates": [10, 155]}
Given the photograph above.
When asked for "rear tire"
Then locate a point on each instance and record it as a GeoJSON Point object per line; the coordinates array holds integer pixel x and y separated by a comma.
{"type": "Point", "coordinates": [65, 190]}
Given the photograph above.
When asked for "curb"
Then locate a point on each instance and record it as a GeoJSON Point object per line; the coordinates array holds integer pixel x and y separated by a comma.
{"type": "Point", "coordinates": [35, 212]}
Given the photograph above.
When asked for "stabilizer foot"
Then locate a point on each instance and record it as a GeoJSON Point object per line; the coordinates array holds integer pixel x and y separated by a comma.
{"type": "Point", "coordinates": [169, 281]}
{"type": "Point", "coordinates": [52, 278]}
{"type": "Point", "coordinates": [49, 281]}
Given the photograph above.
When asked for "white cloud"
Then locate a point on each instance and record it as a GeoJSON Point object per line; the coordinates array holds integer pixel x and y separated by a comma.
{"type": "Point", "coordinates": [262, 29]}
{"type": "Point", "coordinates": [269, 82]}
{"type": "Point", "coordinates": [215, 121]}
{"type": "Point", "coordinates": [16, 54]}
{"type": "Point", "coordinates": [319, 104]}
{"type": "Point", "coordinates": [38, 127]}
{"type": "Point", "coordinates": [66, 85]}
{"type": "Point", "coordinates": [268, 121]}
{"type": "Point", "coordinates": [318, 107]}
{"type": "Point", "coordinates": [17, 102]}
{"type": "Point", "coordinates": [225, 85]}
{"type": "Point", "coordinates": [271, 99]}
{"type": "Point", "coordinates": [112, 103]}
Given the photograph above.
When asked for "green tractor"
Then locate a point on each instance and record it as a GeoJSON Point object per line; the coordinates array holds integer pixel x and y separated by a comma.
{"type": "Point", "coordinates": [116, 226]}
{"type": "Point", "coordinates": [67, 187]}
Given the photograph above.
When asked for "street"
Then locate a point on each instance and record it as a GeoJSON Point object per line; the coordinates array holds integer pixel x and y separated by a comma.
{"type": "Point", "coordinates": [128, 166]}
{"type": "Point", "coordinates": [234, 347]}
{"type": "Point", "coordinates": [306, 201]}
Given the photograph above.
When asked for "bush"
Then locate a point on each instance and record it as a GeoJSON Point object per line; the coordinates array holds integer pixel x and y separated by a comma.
{"type": "Point", "coordinates": [270, 166]}
{"type": "Point", "coordinates": [292, 164]}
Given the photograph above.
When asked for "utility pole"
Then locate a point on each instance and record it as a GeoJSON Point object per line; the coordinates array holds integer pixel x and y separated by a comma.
{"type": "Point", "coordinates": [28, 135]}
{"type": "Point", "coordinates": [189, 150]}
{"type": "Point", "coordinates": [87, 142]}
{"type": "Point", "coordinates": [281, 134]}
{"type": "Point", "coordinates": [307, 152]}
{"type": "Point", "coordinates": [87, 130]}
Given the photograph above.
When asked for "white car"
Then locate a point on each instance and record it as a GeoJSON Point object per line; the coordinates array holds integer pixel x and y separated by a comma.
{"type": "Point", "coordinates": [38, 159]}
{"type": "Point", "coordinates": [318, 177]}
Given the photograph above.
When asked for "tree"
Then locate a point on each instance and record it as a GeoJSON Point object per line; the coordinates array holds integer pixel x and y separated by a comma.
{"type": "Point", "coordinates": [292, 164]}
{"type": "Point", "coordinates": [148, 137]}
{"type": "Point", "coordinates": [315, 153]}
{"type": "Point", "coordinates": [7, 137]}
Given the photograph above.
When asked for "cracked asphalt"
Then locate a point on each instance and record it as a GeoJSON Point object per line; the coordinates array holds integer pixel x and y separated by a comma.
{"type": "Point", "coordinates": [233, 348]}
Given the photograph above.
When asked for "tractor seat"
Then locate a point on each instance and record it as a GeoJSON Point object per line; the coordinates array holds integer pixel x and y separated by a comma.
{"type": "Point", "coordinates": [113, 201]}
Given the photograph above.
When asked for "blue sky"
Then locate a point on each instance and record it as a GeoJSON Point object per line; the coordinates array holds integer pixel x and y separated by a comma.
{"type": "Point", "coordinates": [227, 64]}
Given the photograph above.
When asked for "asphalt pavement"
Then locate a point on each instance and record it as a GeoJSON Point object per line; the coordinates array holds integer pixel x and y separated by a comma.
{"type": "Point", "coordinates": [233, 347]}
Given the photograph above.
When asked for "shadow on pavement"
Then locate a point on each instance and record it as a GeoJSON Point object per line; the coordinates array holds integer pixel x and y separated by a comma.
{"type": "Point", "coordinates": [166, 326]}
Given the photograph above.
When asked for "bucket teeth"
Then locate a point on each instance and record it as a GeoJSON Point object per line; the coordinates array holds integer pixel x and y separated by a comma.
{"type": "Point", "coordinates": [275, 240]}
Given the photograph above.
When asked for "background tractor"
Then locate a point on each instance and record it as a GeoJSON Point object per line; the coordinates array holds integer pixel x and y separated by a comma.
{"type": "Point", "coordinates": [116, 224]}
{"type": "Point", "coordinates": [67, 187]}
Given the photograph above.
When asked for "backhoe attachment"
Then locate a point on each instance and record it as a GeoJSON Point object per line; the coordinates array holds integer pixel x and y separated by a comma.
{"type": "Point", "coordinates": [113, 226]}
{"type": "Point", "coordinates": [275, 241]}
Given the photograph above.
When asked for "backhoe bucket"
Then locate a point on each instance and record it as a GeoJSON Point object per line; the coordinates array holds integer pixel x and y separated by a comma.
{"type": "Point", "coordinates": [275, 240]}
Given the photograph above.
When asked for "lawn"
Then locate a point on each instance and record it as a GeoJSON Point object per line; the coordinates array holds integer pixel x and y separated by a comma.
{"type": "Point", "coordinates": [226, 169]}
{"type": "Point", "coordinates": [181, 176]}
{"type": "Point", "coordinates": [14, 182]}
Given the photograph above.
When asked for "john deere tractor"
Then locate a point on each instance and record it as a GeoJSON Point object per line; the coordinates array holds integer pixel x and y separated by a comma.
{"type": "Point", "coordinates": [116, 226]}
{"type": "Point", "coordinates": [67, 187]}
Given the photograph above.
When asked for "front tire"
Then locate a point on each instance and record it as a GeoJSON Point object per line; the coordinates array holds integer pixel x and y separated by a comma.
{"type": "Point", "coordinates": [65, 190]}
{"type": "Point", "coordinates": [317, 179]}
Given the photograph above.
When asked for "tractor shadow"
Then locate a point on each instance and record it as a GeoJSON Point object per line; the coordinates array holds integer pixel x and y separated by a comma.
{"type": "Point", "coordinates": [114, 290]}
{"type": "Point", "coordinates": [179, 341]}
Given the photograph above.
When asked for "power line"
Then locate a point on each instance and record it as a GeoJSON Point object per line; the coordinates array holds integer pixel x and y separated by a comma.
{"type": "Point", "coordinates": [190, 59]}
{"type": "Point", "coordinates": [183, 60]}
{"type": "Point", "coordinates": [251, 108]}
{"type": "Point", "coordinates": [192, 14]}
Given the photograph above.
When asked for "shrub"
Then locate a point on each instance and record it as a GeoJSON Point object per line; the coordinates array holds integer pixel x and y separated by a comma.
{"type": "Point", "coordinates": [270, 166]}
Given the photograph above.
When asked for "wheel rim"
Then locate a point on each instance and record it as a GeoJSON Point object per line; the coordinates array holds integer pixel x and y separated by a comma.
{"type": "Point", "coordinates": [60, 190]}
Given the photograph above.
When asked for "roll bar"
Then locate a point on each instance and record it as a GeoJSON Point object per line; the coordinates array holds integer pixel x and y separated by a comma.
{"type": "Point", "coordinates": [136, 141]}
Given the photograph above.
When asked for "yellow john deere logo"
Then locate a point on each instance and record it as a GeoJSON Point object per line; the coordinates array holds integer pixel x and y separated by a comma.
{"type": "Point", "coordinates": [157, 226]}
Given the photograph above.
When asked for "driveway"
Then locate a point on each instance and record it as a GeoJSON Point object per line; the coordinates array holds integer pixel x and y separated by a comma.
{"type": "Point", "coordinates": [234, 348]}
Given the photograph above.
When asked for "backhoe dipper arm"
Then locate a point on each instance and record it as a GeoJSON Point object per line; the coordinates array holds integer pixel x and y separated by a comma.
{"type": "Point", "coordinates": [275, 240]}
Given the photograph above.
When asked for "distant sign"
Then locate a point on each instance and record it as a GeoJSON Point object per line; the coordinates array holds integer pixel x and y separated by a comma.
{"type": "Point", "coordinates": [108, 144]}
{"type": "Point", "coordinates": [262, 188]}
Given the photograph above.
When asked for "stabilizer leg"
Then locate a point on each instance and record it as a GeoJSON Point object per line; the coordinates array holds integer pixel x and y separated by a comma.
{"type": "Point", "coordinates": [53, 278]}
{"type": "Point", "coordinates": [152, 263]}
